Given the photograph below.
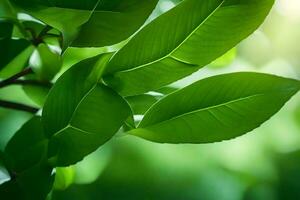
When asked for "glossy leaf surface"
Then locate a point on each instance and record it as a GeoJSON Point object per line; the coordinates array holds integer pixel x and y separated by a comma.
{"type": "Point", "coordinates": [183, 40]}
{"type": "Point", "coordinates": [217, 108]}
{"type": "Point", "coordinates": [80, 114]}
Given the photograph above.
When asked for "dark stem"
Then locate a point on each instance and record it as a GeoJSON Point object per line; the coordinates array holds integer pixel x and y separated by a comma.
{"type": "Point", "coordinates": [10, 80]}
{"type": "Point", "coordinates": [18, 106]}
{"type": "Point", "coordinates": [39, 39]}
{"type": "Point", "coordinates": [44, 31]}
{"type": "Point", "coordinates": [51, 35]}
{"type": "Point", "coordinates": [32, 82]}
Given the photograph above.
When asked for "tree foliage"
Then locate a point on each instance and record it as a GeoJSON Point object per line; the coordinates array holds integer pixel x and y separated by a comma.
{"type": "Point", "coordinates": [78, 109]}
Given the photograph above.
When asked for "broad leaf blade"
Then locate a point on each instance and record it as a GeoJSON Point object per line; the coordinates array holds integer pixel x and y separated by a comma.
{"type": "Point", "coordinates": [183, 40]}
{"type": "Point", "coordinates": [114, 22]}
{"type": "Point", "coordinates": [216, 108]}
{"type": "Point", "coordinates": [68, 92]}
{"type": "Point", "coordinates": [80, 114]}
{"type": "Point", "coordinates": [27, 147]}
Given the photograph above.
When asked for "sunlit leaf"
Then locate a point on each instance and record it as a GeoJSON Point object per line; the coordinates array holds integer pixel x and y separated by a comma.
{"type": "Point", "coordinates": [181, 41]}
{"type": "Point", "coordinates": [64, 177]}
{"type": "Point", "coordinates": [217, 108]}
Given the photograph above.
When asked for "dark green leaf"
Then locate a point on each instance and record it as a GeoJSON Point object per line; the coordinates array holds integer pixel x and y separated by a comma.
{"type": "Point", "coordinates": [24, 157]}
{"type": "Point", "coordinates": [183, 40]}
{"type": "Point", "coordinates": [6, 29]}
{"type": "Point", "coordinates": [27, 147]}
{"type": "Point", "coordinates": [7, 11]}
{"type": "Point", "coordinates": [80, 114]}
{"type": "Point", "coordinates": [34, 183]}
{"type": "Point", "coordinates": [217, 108]}
{"type": "Point", "coordinates": [14, 53]}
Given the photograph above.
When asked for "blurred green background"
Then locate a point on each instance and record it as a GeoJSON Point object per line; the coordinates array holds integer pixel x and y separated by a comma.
{"type": "Point", "coordinates": [261, 165]}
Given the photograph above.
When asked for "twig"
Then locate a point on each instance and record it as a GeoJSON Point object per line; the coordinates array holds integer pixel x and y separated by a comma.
{"type": "Point", "coordinates": [18, 106]}
{"type": "Point", "coordinates": [11, 80]}
{"type": "Point", "coordinates": [32, 82]}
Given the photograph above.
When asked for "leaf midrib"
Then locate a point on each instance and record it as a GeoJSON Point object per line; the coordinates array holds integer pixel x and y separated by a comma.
{"type": "Point", "coordinates": [69, 124]}
{"type": "Point", "coordinates": [171, 52]}
{"type": "Point", "coordinates": [208, 108]}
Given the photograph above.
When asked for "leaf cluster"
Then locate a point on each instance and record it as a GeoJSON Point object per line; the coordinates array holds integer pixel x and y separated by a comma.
{"type": "Point", "coordinates": [124, 88]}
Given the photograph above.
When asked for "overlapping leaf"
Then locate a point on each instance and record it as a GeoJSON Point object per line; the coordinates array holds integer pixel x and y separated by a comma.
{"type": "Point", "coordinates": [45, 63]}
{"type": "Point", "coordinates": [25, 157]}
{"type": "Point", "coordinates": [14, 53]}
{"type": "Point", "coordinates": [183, 40]}
{"type": "Point", "coordinates": [97, 22]}
{"type": "Point", "coordinates": [217, 108]}
{"type": "Point", "coordinates": [80, 114]}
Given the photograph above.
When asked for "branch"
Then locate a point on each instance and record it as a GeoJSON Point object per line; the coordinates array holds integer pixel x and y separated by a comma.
{"type": "Point", "coordinates": [18, 106]}
{"type": "Point", "coordinates": [32, 82]}
{"type": "Point", "coordinates": [44, 31]}
{"type": "Point", "coordinates": [15, 77]}
{"type": "Point", "coordinates": [39, 39]}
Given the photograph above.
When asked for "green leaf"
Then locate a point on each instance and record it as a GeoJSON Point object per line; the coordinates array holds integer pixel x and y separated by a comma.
{"type": "Point", "coordinates": [4, 174]}
{"type": "Point", "coordinates": [64, 177]}
{"type": "Point", "coordinates": [80, 114]}
{"type": "Point", "coordinates": [45, 63]}
{"type": "Point", "coordinates": [7, 11]}
{"type": "Point", "coordinates": [94, 22]}
{"type": "Point", "coordinates": [181, 41]}
{"type": "Point", "coordinates": [224, 60]}
{"type": "Point", "coordinates": [216, 108]}
{"type": "Point", "coordinates": [16, 53]}
{"type": "Point", "coordinates": [11, 190]}
{"type": "Point", "coordinates": [114, 21]}
{"type": "Point", "coordinates": [141, 103]}
{"type": "Point", "coordinates": [27, 147]}
{"type": "Point", "coordinates": [24, 157]}
{"type": "Point", "coordinates": [19, 62]}
{"type": "Point", "coordinates": [11, 120]}
{"type": "Point", "coordinates": [6, 29]}
{"type": "Point", "coordinates": [34, 183]}
{"type": "Point", "coordinates": [36, 93]}
{"type": "Point", "coordinates": [67, 21]}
